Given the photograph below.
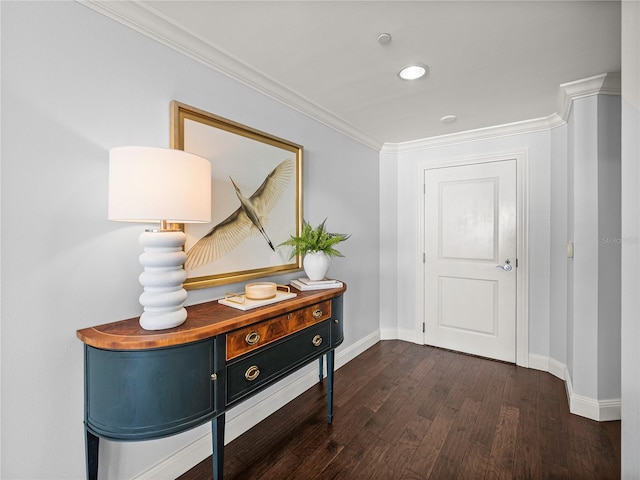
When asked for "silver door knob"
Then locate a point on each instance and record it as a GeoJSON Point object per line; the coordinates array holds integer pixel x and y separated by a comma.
{"type": "Point", "coordinates": [507, 267]}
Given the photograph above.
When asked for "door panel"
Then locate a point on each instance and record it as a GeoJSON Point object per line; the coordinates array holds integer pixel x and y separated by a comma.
{"type": "Point", "coordinates": [470, 234]}
{"type": "Point", "coordinates": [477, 314]}
{"type": "Point", "coordinates": [467, 219]}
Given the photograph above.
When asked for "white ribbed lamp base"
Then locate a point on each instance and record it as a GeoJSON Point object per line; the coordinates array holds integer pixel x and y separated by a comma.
{"type": "Point", "coordinates": [163, 297]}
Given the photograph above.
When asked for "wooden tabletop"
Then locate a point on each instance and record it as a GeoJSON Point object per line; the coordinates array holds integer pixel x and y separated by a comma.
{"type": "Point", "coordinates": [204, 320]}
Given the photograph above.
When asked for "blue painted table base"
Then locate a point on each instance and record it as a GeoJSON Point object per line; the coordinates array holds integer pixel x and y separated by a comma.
{"type": "Point", "coordinates": [217, 429]}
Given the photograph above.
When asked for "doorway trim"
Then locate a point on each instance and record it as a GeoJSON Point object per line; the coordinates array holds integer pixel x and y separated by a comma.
{"type": "Point", "coordinates": [522, 242]}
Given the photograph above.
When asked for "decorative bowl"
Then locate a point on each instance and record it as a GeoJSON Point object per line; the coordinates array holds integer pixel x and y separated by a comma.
{"type": "Point", "coordinates": [260, 290]}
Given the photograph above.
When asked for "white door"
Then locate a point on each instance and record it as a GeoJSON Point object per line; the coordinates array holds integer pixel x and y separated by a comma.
{"type": "Point", "coordinates": [470, 258]}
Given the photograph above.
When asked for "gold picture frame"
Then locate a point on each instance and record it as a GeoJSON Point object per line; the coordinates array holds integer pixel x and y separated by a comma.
{"type": "Point", "coordinates": [256, 199]}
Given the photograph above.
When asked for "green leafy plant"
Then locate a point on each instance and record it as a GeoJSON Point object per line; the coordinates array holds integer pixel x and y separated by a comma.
{"type": "Point", "coordinates": [315, 240]}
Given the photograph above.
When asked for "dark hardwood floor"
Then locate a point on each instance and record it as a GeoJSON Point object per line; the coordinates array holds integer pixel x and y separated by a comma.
{"type": "Point", "coordinates": [410, 412]}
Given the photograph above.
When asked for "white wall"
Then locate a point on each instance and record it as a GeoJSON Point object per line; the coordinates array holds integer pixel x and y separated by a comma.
{"type": "Point", "coordinates": [390, 286]}
{"type": "Point", "coordinates": [594, 229]}
{"type": "Point", "coordinates": [406, 262]}
{"type": "Point", "coordinates": [74, 84]}
{"type": "Point", "coordinates": [631, 240]}
{"type": "Point", "coordinates": [570, 324]}
{"type": "Point", "coordinates": [558, 286]}
{"type": "Point", "coordinates": [573, 196]}
{"type": "Point", "coordinates": [585, 237]}
{"type": "Point", "coordinates": [609, 263]}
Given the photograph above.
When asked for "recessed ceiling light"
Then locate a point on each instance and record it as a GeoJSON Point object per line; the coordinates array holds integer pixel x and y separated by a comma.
{"type": "Point", "coordinates": [448, 119]}
{"type": "Point", "coordinates": [413, 72]}
{"type": "Point", "coordinates": [384, 38]}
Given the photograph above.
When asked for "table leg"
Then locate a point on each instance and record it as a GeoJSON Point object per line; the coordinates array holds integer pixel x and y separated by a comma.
{"type": "Point", "coordinates": [321, 369]}
{"type": "Point", "coordinates": [330, 361]}
{"type": "Point", "coordinates": [91, 454]}
{"type": "Point", "coordinates": [217, 433]}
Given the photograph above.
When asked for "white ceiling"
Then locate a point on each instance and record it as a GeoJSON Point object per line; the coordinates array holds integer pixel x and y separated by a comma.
{"type": "Point", "coordinates": [491, 63]}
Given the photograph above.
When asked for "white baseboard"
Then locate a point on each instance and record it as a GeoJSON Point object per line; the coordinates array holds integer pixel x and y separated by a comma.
{"type": "Point", "coordinates": [599, 410]}
{"type": "Point", "coordinates": [399, 334]}
{"type": "Point", "coordinates": [388, 333]}
{"type": "Point", "coordinates": [546, 364]}
{"type": "Point", "coordinates": [180, 462]}
{"type": "Point", "coordinates": [246, 415]}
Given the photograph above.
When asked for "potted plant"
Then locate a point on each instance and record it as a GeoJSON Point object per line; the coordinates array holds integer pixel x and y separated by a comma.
{"type": "Point", "coordinates": [317, 245]}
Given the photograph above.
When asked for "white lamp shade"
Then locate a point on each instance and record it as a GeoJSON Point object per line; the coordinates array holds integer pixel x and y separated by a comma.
{"type": "Point", "coordinates": [149, 184]}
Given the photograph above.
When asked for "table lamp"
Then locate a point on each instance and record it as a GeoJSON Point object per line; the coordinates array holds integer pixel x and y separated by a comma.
{"type": "Point", "coordinates": [167, 186]}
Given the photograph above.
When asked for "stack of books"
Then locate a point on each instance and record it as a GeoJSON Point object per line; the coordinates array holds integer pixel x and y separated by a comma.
{"type": "Point", "coordinates": [306, 284]}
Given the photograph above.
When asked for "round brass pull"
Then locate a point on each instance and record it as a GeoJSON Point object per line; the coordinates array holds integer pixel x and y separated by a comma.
{"type": "Point", "coordinates": [317, 340]}
{"type": "Point", "coordinates": [317, 313]}
{"type": "Point", "coordinates": [252, 338]}
{"type": "Point", "coordinates": [252, 373]}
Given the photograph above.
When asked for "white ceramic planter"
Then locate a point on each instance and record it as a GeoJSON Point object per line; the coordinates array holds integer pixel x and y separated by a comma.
{"type": "Point", "coordinates": [316, 265]}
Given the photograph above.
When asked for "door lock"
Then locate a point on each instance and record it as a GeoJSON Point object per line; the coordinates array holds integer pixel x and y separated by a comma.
{"type": "Point", "coordinates": [507, 267]}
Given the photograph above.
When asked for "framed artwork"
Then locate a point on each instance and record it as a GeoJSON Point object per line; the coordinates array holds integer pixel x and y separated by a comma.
{"type": "Point", "coordinates": [256, 185]}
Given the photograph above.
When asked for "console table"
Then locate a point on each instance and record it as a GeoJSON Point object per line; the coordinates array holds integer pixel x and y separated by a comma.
{"type": "Point", "coordinates": [142, 384]}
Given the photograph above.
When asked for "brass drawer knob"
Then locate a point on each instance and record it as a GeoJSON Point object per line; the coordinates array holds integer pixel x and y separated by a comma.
{"type": "Point", "coordinates": [317, 313]}
{"type": "Point", "coordinates": [252, 338]}
{"type": "Point", "coordinates": [252, 373]}
{"type": "Point", "coordinates": [317, 340]}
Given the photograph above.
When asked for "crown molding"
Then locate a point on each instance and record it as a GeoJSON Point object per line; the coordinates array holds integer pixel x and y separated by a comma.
{"type": "Point", "coordinates": [487, 133]}
{"type": "Point", "coordinates": [604, 84]}
{"type": "Point", "coordinates": [150, 23]}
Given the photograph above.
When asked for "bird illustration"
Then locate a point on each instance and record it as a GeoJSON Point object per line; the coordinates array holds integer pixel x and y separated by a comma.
{"type": "Point", "coordinates": [249, 218]}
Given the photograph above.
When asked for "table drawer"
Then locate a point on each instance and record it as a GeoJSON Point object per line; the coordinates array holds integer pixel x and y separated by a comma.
{"type": "Point", "coordinates": [255, 336]}
{"type": "Point", "coordinates": [267, 364]}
